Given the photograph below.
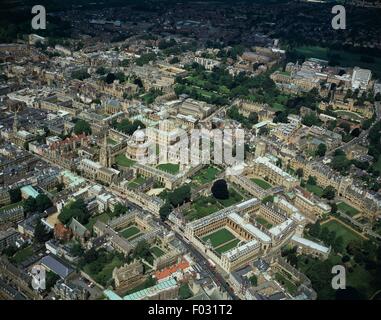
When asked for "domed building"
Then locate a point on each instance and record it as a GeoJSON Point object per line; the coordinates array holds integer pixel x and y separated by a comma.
{"type": "Point", "coordinates": [137, 146]}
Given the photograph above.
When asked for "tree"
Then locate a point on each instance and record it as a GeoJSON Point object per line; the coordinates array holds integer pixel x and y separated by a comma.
{"type": "Point", "coordinates": [346, 126]}
{"type": "Point", "coordinates": [329, 193]}
{"type": "Point", "coordinates": [310, 119]}
{"type": "Point", "coordinates": [41, 234]}
{"type": "Point", "coordinates": [179, 196]}
{"type": "Point", "coordinates": [82, 126]}
{"type": "Point", "coordinates": [311, 180]}
{"type": "Point", "coordinates": [43, 202]}
{"type": "Point", "coordinates": [76, 209]}
{"type": "Point", "coordinates": [253, 117]}
{"type": "Point", "coordinates": [165, 210]}
{"type": "Point", "coordinates": [315, 229]}
{"type": "Point", "coordinates": [15, 195]}
{"type": "Point", "coordinates": [321, 150]}
{"type": "Point", "coordinates": [333, 208]}
{"type": "Point", "coordinates": [220, 189]}
{"type": "Point", "coordinates": [30, 205]}
{"type": "Point", "coordinates": [299, 172]}
{"type": "Point", "coordinates": [119, 209]}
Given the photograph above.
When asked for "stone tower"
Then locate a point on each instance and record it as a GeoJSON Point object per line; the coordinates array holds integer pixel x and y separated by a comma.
{"type": "Point", "coordinates": [104, 153]}
{"type": "Point", "coordinates": [15, 123]}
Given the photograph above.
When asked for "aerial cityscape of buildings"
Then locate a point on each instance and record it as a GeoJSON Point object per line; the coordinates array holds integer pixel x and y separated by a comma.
{"type": "Point", "coordinates": [99, 182]}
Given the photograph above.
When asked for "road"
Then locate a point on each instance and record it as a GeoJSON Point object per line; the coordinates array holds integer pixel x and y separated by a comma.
{"type": "Point", "coordinates": [202, 262]}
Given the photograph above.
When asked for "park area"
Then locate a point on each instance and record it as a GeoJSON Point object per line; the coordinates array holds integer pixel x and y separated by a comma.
{"type": "Point", "coordinates": [262, 183]}
{"type": "Point", "coordinates": [222, 240]}
{"type": "Point", "coordinates": [347, 209]}
{"type": "Point", "coordinates": [130, 232]}
{"type": "Point", "coordinates": [342, 230]}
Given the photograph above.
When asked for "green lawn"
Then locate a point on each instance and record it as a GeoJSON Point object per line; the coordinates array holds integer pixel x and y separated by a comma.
{"type": "Point", "coordinates": [206, 175]}
{"type": "Point", "coordinates": [202, 207]}
{"type": "Point", "coordinates": [262, 183]}
{"type": "Point", "coordinates": [104, 217]}
{"type": "Point", "coordinates": [341, 230]}
{"type": "Point", "coordinates": [377, 165]}
{"type": "Point", "coordinates": [315, 189]}
{"type": "Point", "coordinates": [111, 141]}
{"type": "Point", "coordinates": [157, 251]}
{"type": "Point", "coordinates": [234, 197]}
{"type": "Point", "coordinates": [136, 182]}
{"type": "Point", "coordinates": [263, 222]}
{"type": "Point", "coordinates": [226, 247]}
{"type": "Point", "coordinates": [123, 161]}
{"type": "Point", "coordinates": [346, 208]}
{"type": "Point", "coordinates": [219, 237]}
{"type": "Point", "coordinates": [22, 255]}
{"type": "Point", "coordinates": [172, 168]}
{"type": "Point", "coordinates": [130, 232]}
{"type": "Point", "coordinates": [105, 272]}
{"type": "Point", "coordinates": [287, 283]}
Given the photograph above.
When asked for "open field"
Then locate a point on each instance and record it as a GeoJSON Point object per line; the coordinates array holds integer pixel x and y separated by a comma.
{"type": "Point", "coordinates": [341, 230]}
{"type": "Point", "coordinates": [130, 232]}
{"type": "Point", "coordinates": [219, 237]}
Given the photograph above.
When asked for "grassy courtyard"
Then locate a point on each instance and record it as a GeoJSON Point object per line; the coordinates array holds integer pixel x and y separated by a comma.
{"type": "Point", "coordinates": [172, 168]}
{"type": "Point", "coordinates": [346, 208]}
{"type": "Point", "coordinates": [157, 251]}
{"type": "Point", "coordinates": [226, 247]}
{"type": "Point", "coordinates": [206, 175]}
{"type": "Point", "coordinates": [234, 197]}
{"type": "Point", "coordinates": [122, 160]}
{"type": "Point", "coordinates": [130, 232]}
{"type": "Point", "coordinates": [263, 222]}
{"type": "Point", "coordinates": [138, 181]}
{"type": "Point", "coordinates": [219, 237]}
{"type": "Point", "coordinates": [104, 217]}
{"type": "Point", "coordinates": [262, 183]}
{"type": "Point", "coordinates": [316, 190]}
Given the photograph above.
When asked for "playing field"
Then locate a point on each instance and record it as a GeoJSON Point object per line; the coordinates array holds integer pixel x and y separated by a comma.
{"type": "Point", "coordinates": [129, 232]}
{"type": "Point", "coordinates": [219, 237]}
